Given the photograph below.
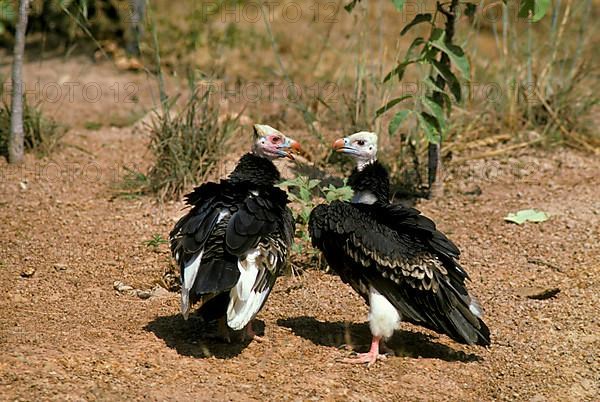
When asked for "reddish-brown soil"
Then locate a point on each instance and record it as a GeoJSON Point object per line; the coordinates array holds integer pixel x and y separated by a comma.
{"type": "Point", "coordinates": [66, 334]}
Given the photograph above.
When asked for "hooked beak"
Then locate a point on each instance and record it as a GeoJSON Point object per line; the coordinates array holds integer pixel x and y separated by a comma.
{"type": "Point", "coordinates": [289, 147]}
{"type": "Point", "coordinates": [342, 145]}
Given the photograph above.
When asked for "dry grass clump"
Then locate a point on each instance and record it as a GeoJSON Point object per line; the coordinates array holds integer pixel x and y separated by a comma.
{"type": "Point", "coordinates": [187, 146]}
{"type": "Point", "coordinates": [41, 134]}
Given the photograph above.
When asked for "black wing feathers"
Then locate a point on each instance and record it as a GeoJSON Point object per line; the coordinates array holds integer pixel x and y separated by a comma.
{"type": "Point", "coordinates": [258, 216]}
{"type": "Point", "coordinates": [400, 253]}
{"type": "Point", "coordinates": [246, 216]}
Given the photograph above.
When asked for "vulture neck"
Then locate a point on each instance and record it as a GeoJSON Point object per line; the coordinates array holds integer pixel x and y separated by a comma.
{"type": "Point", "coordinates": [361, 163]}
{"type": "Point", "coordinates": [370, 183]}
{"type": "Point", "coordinates": [256, 170]}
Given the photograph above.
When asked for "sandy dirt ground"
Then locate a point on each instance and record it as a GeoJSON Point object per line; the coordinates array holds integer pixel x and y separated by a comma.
{"type": "Point", "coordinates": [67, 334]}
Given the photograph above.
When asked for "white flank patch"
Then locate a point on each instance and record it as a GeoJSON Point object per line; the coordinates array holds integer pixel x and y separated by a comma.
{"type": "Point", "coordinates": [475, 307]}
{"type": "Point", "coordinates": [189, 277]}
{"type": "Point", "coordinates": [383, 316]}
{"type": "Point", "coordinates": [244, 302]}
{"type": "Point", "coordinates": [364, 197]}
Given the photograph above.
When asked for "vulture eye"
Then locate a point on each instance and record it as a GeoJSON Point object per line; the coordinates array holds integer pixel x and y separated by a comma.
{"type": "Point", "coordinates": [275, 140]}
{"type": "Point", "coordinates": [360, 142]}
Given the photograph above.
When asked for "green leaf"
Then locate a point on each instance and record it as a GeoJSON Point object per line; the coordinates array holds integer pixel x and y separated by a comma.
{"type": "Point", "coordinates": [419, 19]}
{"type": "Point", "coordinates": [304, 194]}
{"type": "Point", "coordinates": [455, 53]}
{"type": "Point", "coordinates": [330, 196]}
{"type": "Point", "coordinates": [436, 110]}
{"type": "Point", "coordinates": [397, 120]}
{"type": "Point", "coordinates": [470, 9]}
{"type": "Point", "coordinates": [313, 183]}
{"type": "Point", "coordinates": [416, 42]}
{"type": "Point", "coordinates": [430, 126]}
{"type": "Point", "coordinates": [350, 6]}
{"type": "Point", "coordinates": [449, 77]}
{"type": "Point", "coordinates": [436, 34]}
{"type": "Point", "coordinates": [534, 9]}
{"type": "Point", "coordinates": [443, 93]}
{"type": "Point", "coordinates": [391, 104]}
{"type": "Point", "coordinates": [398, 70]}
{"type": "Point", "coordinates": [7, 12]}
{"type": "Point", "coordinates": [526, 215]}
{"type": "Point", "coordinates": [343, 193]}
{"type": "Point", "coordinates": [399, 4]}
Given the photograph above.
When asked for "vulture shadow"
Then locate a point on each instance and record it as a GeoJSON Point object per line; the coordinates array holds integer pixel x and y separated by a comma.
{"type": "Point", "coordinates": [403, 343]}
{"type": "Point", "coordinates": [197, 338]}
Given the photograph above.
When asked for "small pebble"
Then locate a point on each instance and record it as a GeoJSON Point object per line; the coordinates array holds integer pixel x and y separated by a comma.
{"type": "Point", "coordinates": [121, 287]}
{"type": "Point", "coordinates": [28, 272]}
{"type": "Point", "coordinates": [60, 267]}
{"type": "Point", "coordinates": [144, 294]}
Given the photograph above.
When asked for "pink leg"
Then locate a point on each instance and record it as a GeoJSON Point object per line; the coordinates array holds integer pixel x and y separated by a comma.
{"type": "Point", "coordinates": [251, 334]}
{"type": "Point", "coordinates": [370, 357]}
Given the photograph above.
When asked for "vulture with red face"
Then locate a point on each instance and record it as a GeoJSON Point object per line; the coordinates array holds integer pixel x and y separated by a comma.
{"type": "Point", "coordinates": [234, 241]}
{"type": "Point", "coordinates": [394, 257]}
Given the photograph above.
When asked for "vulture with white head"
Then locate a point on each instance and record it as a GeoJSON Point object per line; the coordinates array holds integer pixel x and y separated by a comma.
{"type": "Point", "coordinates": [394, 257]}
{"type": "Point", "coordinates": [234, 241]}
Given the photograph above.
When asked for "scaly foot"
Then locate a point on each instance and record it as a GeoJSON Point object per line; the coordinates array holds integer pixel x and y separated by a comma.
{"type": "Point", "coordinates": [369, 358]}
{"type": "Point", "coordinates": [252, 335]}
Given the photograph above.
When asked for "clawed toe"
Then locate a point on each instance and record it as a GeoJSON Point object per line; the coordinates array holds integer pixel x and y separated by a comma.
{"type": "Point", "coordinates": [368, 358]}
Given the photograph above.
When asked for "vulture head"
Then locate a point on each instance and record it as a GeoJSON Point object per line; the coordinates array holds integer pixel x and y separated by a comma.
{"type": "Point", "coordinates": [271, 144]}
{"type": "Point", "coordinates": [361, 146]}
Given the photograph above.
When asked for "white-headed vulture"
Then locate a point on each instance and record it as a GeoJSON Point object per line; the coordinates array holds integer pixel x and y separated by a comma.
{"type": "Point", "coordinates": [233, 243]}
{"type": "Point", "coordinates": [393, 257]}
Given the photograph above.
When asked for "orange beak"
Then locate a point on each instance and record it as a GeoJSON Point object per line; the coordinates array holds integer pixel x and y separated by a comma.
{"type": "Point", "coordinates": [339, 144]}
{"type": "Point", "coordinates": [294, 147]}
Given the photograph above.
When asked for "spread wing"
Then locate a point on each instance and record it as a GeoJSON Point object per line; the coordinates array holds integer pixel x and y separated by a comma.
{"type": "Point", "coordinates": [402, 255]}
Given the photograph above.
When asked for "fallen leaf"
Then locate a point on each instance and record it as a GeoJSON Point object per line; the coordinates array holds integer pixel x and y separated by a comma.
{"type": "Point", "coordinates": [527, 215]}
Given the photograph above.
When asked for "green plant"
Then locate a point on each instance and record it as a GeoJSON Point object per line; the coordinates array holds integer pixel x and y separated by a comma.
{"type": "Point", "coordinates": [92, 125]}
{"type": "Point", "coordinates": [546, 83]}
{"type": "Point", "coordinates": [431, 108]}
{"type": "Point", "coordinates": [446, 70]}
{"type": "Point", "coordinates": [41, 134]}
{"type": "Point", "coordinates": [7, 16]}
{"type": "Point", "coordinates": [70, 20]}
{"type": "Point", "coordinates": [305, 194]}
{"type": "Point", "coordinates": [155, 241]}
{"type": "Point", "coordinates": [133, 185]}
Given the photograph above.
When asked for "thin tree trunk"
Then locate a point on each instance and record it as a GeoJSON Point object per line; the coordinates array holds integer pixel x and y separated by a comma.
{"type": "Point", "coordinates": [16, 143]}
{"type": "Point", "coordinates": [434, 166]}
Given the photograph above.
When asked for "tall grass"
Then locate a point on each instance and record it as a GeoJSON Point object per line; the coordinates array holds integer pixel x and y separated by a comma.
{"type": "Point", "coordinates": [41, 133]}
{"type": "Point", "coordinates": [545, 76]}
{"type": "Point", "coordinates": [187, 146]}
